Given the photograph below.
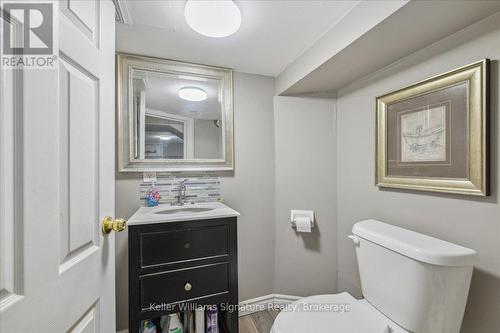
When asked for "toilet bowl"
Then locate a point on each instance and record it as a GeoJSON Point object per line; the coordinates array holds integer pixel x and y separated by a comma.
{"type": "Point", "coordinates": [410, 282]}
{"type": "Point", "coordinates": [338, 313]}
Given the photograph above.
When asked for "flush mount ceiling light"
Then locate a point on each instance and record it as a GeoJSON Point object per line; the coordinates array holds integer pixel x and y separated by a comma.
{"type": "Point", "coordinates": [192, 94]}
{"type": "Point", "coordinates": [166, 138]}
{"type": "Point", "coordinates": [213, 18]}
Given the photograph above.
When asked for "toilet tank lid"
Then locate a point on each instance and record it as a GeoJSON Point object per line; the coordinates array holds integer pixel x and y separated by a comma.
{"type": "Point", "coordinates": [414, 245]}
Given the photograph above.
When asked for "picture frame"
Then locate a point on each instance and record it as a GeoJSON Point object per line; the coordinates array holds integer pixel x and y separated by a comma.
{"type": "Point", "coordinates": [433, 135]}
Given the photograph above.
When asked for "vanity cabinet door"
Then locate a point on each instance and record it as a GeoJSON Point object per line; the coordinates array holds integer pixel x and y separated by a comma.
{"type": "Point", "coordinates": [172, 246]}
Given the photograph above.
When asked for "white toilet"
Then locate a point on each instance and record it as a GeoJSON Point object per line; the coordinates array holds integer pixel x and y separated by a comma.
{"type": "Point", "coordinates": [410, 282]}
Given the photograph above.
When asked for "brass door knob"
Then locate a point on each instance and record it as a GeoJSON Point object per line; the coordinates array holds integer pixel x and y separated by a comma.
{"type": "Point", "coordinates": [187, 286]}
{"type": "Point", "coordinates": [109, 224]}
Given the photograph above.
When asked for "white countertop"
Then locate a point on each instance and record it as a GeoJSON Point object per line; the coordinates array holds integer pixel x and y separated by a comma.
{"type": "Point", "coordinates": [149, 215]}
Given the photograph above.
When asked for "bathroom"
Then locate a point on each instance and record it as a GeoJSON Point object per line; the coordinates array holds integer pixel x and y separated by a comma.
{"type": "Point", "coordinates": [281, 205]}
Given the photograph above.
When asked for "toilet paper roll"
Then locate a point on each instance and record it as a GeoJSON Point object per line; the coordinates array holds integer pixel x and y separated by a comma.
{"type": "Point", "coordinates": [303, 224]}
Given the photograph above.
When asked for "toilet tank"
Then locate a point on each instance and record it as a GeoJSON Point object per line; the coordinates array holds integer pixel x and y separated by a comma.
{"type": "Point", "coordinates": [419, 282]}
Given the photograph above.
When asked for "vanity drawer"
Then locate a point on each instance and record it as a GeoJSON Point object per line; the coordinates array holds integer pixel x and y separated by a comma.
{"type": "Point", "coordinates": [183, 284]}
{"type": "Point", "coordinates": [158, 248]}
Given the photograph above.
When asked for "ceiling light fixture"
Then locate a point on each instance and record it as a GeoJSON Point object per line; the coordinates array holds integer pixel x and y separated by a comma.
{"type": "Point", "coordinates": [166, 138]}
{"type": "Point", "coordinates": [192, 94]}
{"type": "Point", "coordinates": [213, 18]}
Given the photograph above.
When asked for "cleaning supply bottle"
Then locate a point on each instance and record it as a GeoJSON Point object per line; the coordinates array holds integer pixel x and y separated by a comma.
{"type": "Point", "coordinates": [148, 326]}
{"type": "Point", "coordinates": [212, 320]}
{"type": "Point", "coordinates": [175, 325]}
{"type": "Point", "coordinates": [164, 323]}
{"type": "Point", "coordinates": [199, 323]}
{"type": "Point", "coordinates": [189, 322]}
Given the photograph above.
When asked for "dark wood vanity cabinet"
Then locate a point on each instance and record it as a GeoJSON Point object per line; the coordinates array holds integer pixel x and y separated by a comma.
{"type": "Point", "coordinates": [177, 264]}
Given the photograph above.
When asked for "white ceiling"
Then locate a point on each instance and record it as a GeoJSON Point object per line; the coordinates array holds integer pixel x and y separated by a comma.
{"type": "Point", "coordinates": [329, 65]}
{"type": "Point", "coordinates": [272, 35]}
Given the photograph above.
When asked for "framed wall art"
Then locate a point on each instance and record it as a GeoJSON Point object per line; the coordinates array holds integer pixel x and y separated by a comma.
{"type": "Point", "coordinates": [433, 135]}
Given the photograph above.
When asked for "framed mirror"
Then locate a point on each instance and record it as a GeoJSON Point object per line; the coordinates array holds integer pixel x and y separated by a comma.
{"type": "Point", "coordinates": [173, 116]}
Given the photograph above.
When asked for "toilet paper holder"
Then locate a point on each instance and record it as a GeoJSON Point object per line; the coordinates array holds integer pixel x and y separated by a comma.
{"type": "Point", "coordinates": [301, 213]}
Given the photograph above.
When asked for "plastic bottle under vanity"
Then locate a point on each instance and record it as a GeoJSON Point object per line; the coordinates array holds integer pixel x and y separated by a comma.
{"type": "Point", "coordinates": [212, 320]}
{"type": "Point", "coordinates": [199, 320]}
{"type": "Point", "coordinates": [175, 325]}
{"type": "Point", "coordinates": [148, 326]}
{"type": "Point", "coordinates": [189, 322]}
{"type": "Point", "coordinates": [164, 323]}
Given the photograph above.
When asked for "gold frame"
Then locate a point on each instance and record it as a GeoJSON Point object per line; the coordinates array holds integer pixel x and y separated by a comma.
{"type": "Point", "coordinates": [476, 183]}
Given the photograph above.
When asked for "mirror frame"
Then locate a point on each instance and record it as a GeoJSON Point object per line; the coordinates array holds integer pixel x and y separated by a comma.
{"type": "Point", "coordinates": [125, 64]}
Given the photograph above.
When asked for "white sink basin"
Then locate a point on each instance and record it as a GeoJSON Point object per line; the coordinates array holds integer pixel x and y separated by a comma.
{"type": "Point", "coordinates": [188, 212]}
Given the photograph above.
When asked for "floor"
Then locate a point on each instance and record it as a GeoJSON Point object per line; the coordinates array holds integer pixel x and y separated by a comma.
{"type": "Point", "coordinates": [258, 322]}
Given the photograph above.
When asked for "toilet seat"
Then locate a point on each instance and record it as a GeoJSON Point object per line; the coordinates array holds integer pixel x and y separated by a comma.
{"type": "Point", "coordinates": [338, 313]}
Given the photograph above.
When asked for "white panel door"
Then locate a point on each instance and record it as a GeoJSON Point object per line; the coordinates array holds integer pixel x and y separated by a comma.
{"type": "Point", "coordinates": [57, 182]}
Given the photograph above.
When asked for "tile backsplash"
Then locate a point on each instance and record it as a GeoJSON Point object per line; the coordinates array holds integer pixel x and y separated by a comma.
{"type": "Point", "coordinates": [202, 188]}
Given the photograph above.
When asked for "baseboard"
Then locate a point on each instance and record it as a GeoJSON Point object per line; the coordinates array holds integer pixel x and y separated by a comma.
{"type": "Point", "coordinates": [264, 302]}
{"type": "Point", "coordinates": [285, 299]}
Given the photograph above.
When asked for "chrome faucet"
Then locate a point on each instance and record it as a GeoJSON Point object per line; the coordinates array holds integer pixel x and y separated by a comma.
{"type": "Point", "coordinates": [181, 199]}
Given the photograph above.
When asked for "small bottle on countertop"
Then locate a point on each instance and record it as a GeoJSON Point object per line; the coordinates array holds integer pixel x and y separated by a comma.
{"type": "Point", "coordinates": [153, 197]}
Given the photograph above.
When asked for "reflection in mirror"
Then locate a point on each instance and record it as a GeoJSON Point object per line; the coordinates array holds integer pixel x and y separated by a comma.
{"type": "Point", "coordinates": [176, 116]}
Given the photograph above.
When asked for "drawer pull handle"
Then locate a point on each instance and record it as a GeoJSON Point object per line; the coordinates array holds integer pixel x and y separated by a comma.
{"type": "Point", "coordinates": [187, 245]}
{"type": "Point", "coordinates": [187, 286]}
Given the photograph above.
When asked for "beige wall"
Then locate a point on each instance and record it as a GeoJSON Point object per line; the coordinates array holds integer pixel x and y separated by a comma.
{"type": "Point", "coordinates": [250, 191]}
{"type": "Point", "coordinates": [472, 222]}
{"type": "Point", "coordinates": [305, 264]}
